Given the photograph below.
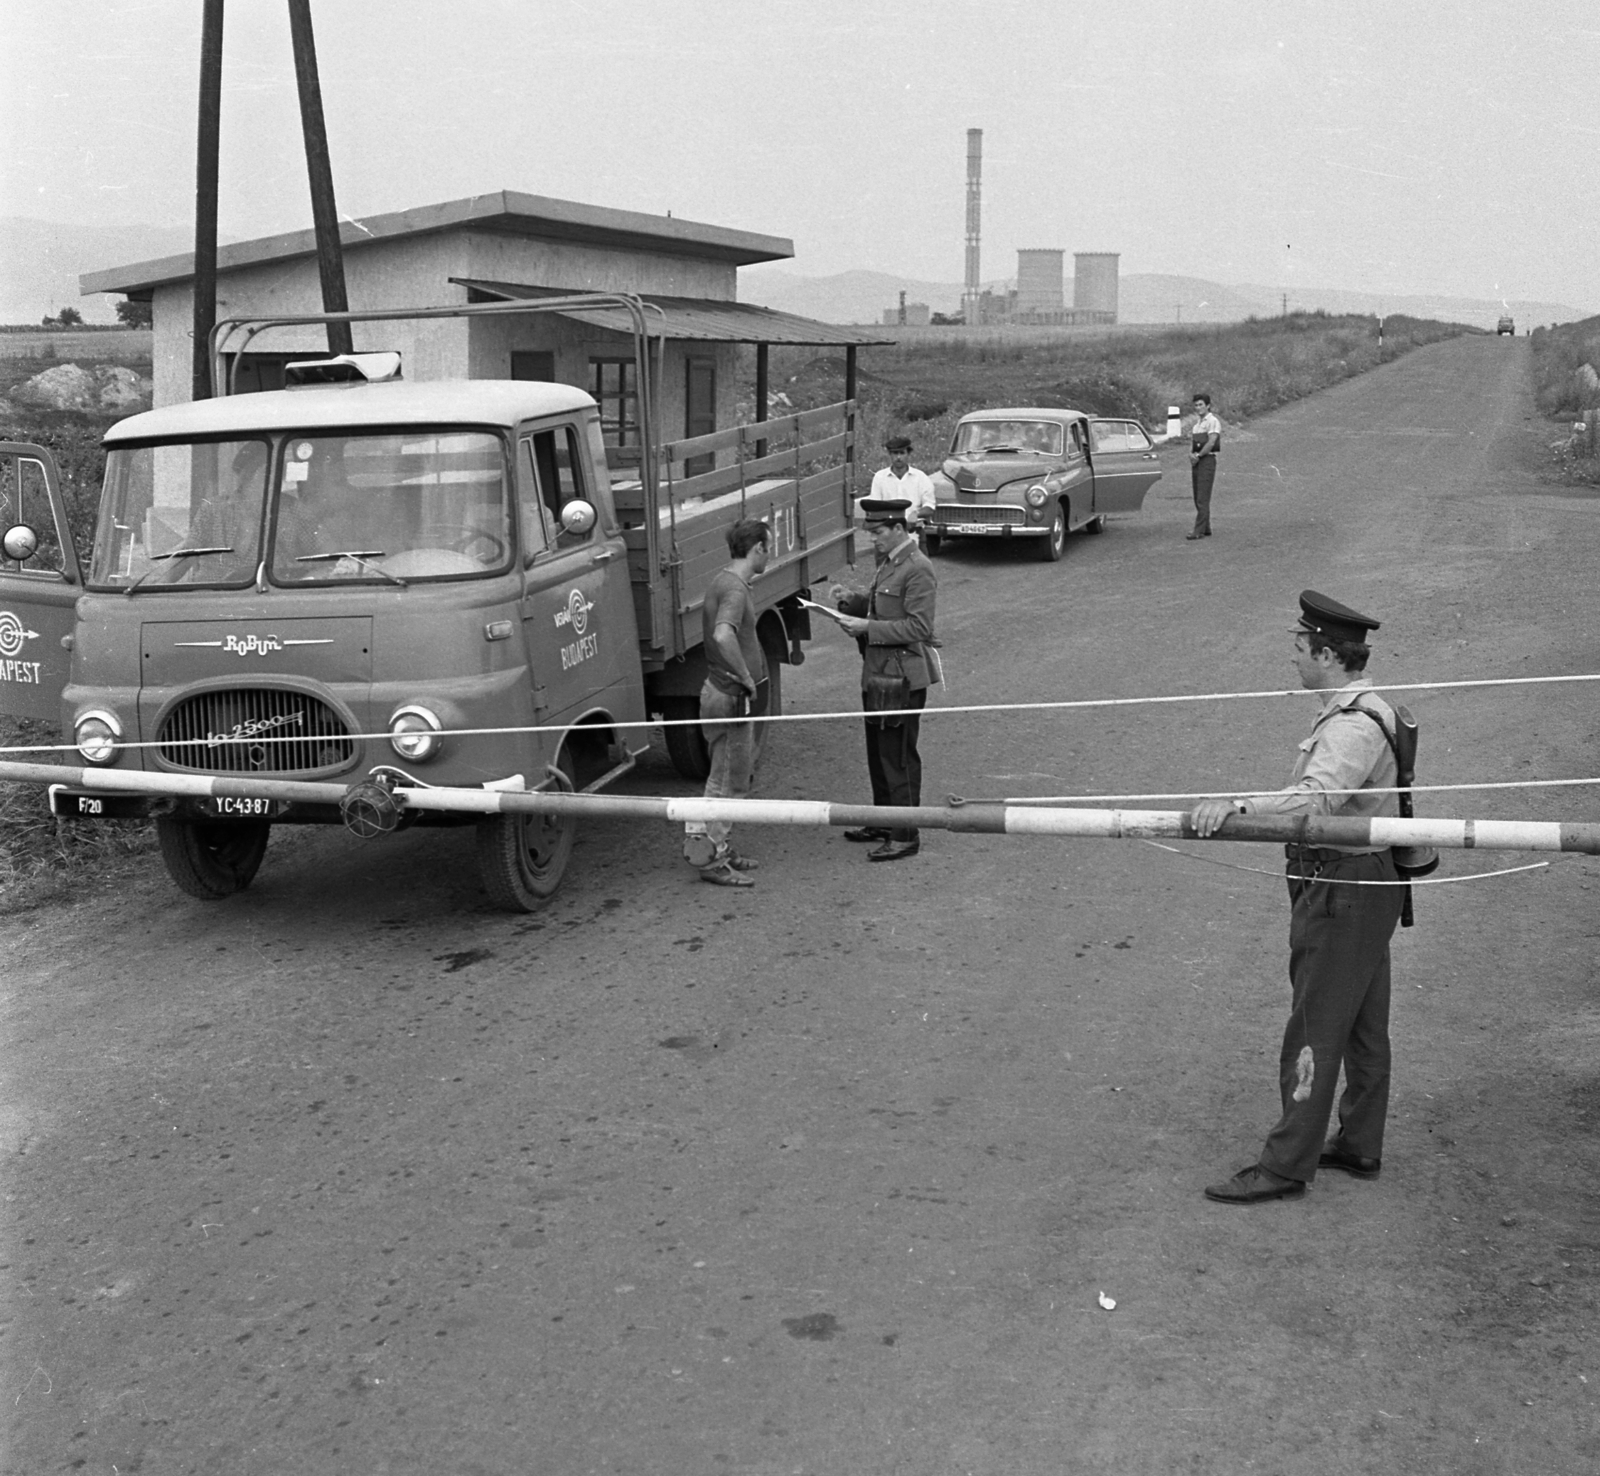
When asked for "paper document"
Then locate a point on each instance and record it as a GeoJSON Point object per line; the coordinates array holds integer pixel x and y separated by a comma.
{"type": "Point", "coordinates": [828, 610]}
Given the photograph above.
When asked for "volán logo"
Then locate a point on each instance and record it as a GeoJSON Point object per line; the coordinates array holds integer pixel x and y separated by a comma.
{"type": "Point", "coordinates": [577, 612]}
{"type": "Point", "coordinates": [14, 634]}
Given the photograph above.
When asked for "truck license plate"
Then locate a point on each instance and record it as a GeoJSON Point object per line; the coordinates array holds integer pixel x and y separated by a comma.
{"type": "Point", "coordinates": [989, 528]}
{"type": "Point", "coordinates": [233, 806]}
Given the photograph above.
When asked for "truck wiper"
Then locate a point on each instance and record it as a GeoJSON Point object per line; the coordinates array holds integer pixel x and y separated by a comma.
{"type": "Point", "coordinates": [177, 553]}
{"type": "Point", "coordinates": [361, 556]}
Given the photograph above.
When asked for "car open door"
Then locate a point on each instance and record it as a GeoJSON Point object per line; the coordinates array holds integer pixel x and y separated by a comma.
{"type": "Point", "coordinates": [1126, 465]}
{"type": "Point", "coordinates": [39, 583]}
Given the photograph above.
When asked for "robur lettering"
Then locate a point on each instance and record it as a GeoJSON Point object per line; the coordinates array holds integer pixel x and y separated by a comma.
{"type": "Point", "coordinates": [252, 645]}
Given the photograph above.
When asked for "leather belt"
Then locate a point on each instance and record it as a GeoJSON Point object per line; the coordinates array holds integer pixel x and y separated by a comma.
{"type": "Point", "coordinates": [1327, 855]}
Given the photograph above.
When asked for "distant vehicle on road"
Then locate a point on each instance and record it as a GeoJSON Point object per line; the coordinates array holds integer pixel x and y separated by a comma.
{"type": "Point", "coordinates": [1506, 325]}
{"type": "Point", "coordinates": [1039, 474]}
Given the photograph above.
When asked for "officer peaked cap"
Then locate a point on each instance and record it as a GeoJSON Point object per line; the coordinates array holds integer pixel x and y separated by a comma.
{"type": "Point", "coordinates": [884, 509]}
{"type": "Point", "coordinates": [1329, 618]}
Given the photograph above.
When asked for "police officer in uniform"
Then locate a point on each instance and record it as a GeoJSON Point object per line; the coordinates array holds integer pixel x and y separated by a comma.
{"type": "Point", "coordinates": [893, 625]}
{"type": "Point", "coordinates": [1338, 932]}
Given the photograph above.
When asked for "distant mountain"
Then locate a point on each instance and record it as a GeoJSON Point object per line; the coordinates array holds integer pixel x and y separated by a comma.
{"type": "Point", "coordinates": [1144, 297]}
{"type": "Point", "coordinates": [40, 262]}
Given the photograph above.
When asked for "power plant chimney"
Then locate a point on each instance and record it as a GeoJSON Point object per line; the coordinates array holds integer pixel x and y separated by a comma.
{"type": "Point", "coordinates": [970, 298]}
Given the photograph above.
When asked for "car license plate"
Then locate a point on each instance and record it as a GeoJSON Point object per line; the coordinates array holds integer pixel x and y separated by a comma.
{"type": "Point", "coordinates": [232, 806]}
{"type": "Point", "coordinates": [990, 528]}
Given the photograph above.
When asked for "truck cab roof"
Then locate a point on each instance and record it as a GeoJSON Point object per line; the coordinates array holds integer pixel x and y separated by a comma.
{"type": "Point", "coordinates": [495, 402]}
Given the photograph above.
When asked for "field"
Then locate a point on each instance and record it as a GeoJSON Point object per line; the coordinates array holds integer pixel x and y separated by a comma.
{"type": "Point", "coordinates": [925, 381]}
{"type": "Point", "coordinates": [75, 345]}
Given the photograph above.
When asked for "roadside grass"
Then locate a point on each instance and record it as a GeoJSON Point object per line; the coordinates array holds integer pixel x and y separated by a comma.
{"type": "Point", "coordinates": [1566, 388]}
{"type": "Point", "coordinates": [43, 859]}
{"type": "Point", "coordinates": [922, 384]}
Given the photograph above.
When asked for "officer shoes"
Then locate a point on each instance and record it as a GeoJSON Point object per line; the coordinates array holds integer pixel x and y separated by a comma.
{"type": "Point", "coordinates": [1336, 1156]}
{"type": "Point", "coordinates": [894, 850]}
{"type": "Point", "coordinates": [1253, 1185]}
{"type": "Point", "coordinates": [866, 834]}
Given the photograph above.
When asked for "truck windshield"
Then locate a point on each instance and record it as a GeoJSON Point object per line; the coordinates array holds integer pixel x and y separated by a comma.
{"type": "Point", "coordinates": [997, 437]}
{"type": "Point", "coordinates": [426, 504]}
{"type": "Point", "coordinates": [187, 514]}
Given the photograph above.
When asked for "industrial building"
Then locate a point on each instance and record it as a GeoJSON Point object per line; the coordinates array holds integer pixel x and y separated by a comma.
{"type": "Point", "coordinates": [1039, 297]}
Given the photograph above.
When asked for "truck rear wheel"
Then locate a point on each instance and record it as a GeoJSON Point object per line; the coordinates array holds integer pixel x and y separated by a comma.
{"type": "Point", "coordinates": [522, 858]}
{"type": "Point", "coordinates": [686, 746]}
{"type": "Point", "coordinates": [211, 860]}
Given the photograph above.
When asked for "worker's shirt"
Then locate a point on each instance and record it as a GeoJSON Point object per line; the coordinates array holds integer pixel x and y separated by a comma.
{"type": "Point", "coordinates": [1205, 427]}
{"type": "Point", "coordinates": [1346, 750]}
{"type": "Point", "coordinates": [915, 485]}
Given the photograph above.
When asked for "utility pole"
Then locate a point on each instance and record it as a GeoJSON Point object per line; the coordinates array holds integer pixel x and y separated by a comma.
{"type": "Point", "coordinates": [205, 199]}
{"type": "Point", "coordinates": [324, 216]}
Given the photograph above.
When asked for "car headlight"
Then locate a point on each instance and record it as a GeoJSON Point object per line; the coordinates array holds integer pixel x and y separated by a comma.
{"type": "Point", "coordinates": [416, 734]}
{"type": "Point", "coordinates": [1036, 496]}
{"type": "Point", "coordinates": [96, 734]}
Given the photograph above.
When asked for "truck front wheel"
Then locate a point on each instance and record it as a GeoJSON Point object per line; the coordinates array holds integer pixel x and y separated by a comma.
{"type": "Point", "coordinates": [686, 746]}
{"type": "Point", "coordinates": [211, 860]}
{"type": "Point", "coordinates": [522, 858]}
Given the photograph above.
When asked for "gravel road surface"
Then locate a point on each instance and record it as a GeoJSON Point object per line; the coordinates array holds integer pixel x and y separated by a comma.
{"type": "Point", "coordinates": [352, 1174]}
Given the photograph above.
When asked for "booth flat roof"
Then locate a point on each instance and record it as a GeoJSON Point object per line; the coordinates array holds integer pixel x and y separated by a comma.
{"type": "Point", "coordinates": [505, 210]}
{"type": "Point", "coordinates": [698, 318]}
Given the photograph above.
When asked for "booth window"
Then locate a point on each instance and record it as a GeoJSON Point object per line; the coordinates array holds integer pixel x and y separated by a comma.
{"type": "Point", "coordinates": [616, 392]}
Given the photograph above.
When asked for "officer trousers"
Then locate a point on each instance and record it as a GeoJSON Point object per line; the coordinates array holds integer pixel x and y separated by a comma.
{"type": "Point", "coordinates": [893, 762]}
{"type": "Point", "coordinates": [1339, 975]}
{"type": "Point", "coordinates": [1202, 476]}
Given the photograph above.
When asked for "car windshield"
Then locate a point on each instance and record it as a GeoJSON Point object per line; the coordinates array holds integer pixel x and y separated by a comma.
{"type": "Point", "coordinates": [999, 437]}
{"type": "Point", "coordinates": [185, 514]}
{"type": "Point", "coordinates": [377, 508]}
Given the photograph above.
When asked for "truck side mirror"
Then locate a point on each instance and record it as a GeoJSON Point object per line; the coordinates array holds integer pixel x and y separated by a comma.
{"type": "Point", "coordinates": [578, 516]}
{"type": "Point", "coordinates": [20, 543]}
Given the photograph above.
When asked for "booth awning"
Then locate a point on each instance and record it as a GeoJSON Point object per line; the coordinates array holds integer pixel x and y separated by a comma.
{"type": "Point", "coordinates": [694, 318]}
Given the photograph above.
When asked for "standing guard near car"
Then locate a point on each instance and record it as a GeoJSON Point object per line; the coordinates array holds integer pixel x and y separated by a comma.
{"type": "Point", "coordinates": [1344, 904]}
{"type": "Point", "coordinates": [1205, 440]}
{"type": "Point", "coordinates": [893, 625]}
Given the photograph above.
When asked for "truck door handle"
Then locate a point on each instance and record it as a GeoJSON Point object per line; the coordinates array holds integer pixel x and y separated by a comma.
{"type": "Point", "coordinates": [603, 556]}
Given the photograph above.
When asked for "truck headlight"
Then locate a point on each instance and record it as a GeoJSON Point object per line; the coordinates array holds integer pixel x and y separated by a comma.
{"type": "Point", "coordinates": [1036, 496]}
{"type": "Point", "coordinates": [96, 734]}
{"type": "Point", "coordinates": [416, 734]}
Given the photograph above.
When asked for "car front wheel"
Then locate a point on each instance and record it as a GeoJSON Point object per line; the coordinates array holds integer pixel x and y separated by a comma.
{"type": "Point", "coordinates": [1055, 544]}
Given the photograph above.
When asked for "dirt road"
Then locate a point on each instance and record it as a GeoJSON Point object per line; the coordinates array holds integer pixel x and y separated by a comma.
{"type": "Point", "coordinates": [351, 1174]}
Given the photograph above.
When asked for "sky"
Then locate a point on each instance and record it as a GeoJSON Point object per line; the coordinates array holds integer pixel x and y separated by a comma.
{"type": "Point", "coordinates": [1404, 146]}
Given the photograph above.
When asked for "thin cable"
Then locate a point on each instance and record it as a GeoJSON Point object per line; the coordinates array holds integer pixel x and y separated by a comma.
{"type": "Point", "coordinates": [1335, 881]}
{"type": "Point", "coordinates": [855, 713]}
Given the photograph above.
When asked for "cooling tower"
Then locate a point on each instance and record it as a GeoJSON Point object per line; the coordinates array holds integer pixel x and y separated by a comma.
{"type": "Point", "coordinates": [1039, 282]}
{"type": "Point", "coordinates": [1094, 282]}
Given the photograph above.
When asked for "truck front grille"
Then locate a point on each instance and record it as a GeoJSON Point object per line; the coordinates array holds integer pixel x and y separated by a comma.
{"type": "Point", "coordinates": [255, 730]}
{"type": "Point", "coordinates": [988, 513]}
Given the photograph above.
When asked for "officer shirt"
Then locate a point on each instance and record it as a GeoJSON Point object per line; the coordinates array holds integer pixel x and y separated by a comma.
{"type": "Point", "coordinates": [1345, 751]}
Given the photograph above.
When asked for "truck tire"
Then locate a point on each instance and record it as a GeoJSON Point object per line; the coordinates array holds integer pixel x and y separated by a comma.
{"type": "Point", "coordinates": [686, 747]}
{"type": "Point", "coordinates": [1055, 542]}
{"type": "Point", "coordinates": [768, 703]}
{"type": "Point", "coordinates": [523, 858]}
{"type": "Point", "coordinates": [212, 859]}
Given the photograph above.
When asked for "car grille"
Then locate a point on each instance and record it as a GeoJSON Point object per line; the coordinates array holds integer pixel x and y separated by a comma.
{"type": "Point", "coordinates": [946, 513]}
{"type": "Point", "coordinates": [255, 730]}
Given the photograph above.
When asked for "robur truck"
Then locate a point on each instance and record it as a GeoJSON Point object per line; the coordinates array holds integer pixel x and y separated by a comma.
{"type": "Point", "coordinates": [365, 580]}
